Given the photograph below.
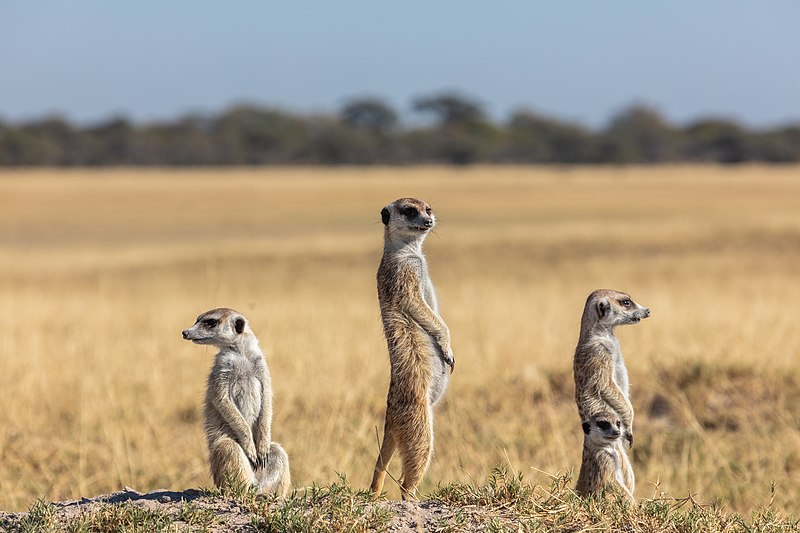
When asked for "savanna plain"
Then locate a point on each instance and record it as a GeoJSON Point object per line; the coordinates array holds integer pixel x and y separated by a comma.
{"type": "Point", "coordinates": [102, 269]}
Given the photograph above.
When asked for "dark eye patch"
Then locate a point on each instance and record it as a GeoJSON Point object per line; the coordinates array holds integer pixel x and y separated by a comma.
{"type": "Point", "coordinates": [410, 212]}
{"type": "Point", "coordinates": [625, 303]}
{"type": "Point", "coordinates": [604, 425]}
{"type": "Point", "coordinates": [210, 322]}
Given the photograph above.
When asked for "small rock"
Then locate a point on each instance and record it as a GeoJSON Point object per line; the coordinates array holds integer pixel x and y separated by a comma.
{"type": "Point", "coordinates": [165, 499]}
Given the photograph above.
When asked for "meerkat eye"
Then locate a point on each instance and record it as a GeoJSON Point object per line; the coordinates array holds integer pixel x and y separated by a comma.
{"type": "Point", "coordinates": [428, 210]}
{"type": "Point", "coordinates": [619, 424]}
{"type": "Point", "coordinates": [210, 322]}
{"type": "Point", "coordinates": [625, 303]}
{"type": "Point", "coordinates": [410, 212]}
{"type": "Point", "coordinates": [605, 426]}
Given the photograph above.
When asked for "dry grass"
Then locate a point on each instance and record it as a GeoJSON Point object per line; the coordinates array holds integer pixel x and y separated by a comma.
{"type": "Point", "coordinates": [503, 502]}
{"type": "Point", "coordinates": [102, 270]}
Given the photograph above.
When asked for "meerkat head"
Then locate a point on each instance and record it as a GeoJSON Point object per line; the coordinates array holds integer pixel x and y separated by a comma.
{"type": "Point", "coordinates": [219, 327]}
{"type": "Point", "coordinates": [602, 429]}
{"type": "Point", "coordinates": [612, 308]}
{"type": "Point", "coordinates": [408, 217]}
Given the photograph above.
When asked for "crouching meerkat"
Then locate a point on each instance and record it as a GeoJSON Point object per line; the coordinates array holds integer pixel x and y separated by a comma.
{"type": "Point", "coordinates": [605, 463]}
{"type": "Point", "coordinates": [418, 341]}
{"type": "Point", "coordinates": [238, 406]}
{"type": "Point", "coordinates": [601, 379]}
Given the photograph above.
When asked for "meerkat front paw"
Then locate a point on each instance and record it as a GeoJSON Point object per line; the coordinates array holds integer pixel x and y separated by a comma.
{"type": "Point", "coordinates": [447, 356]}
{"type": "Point", "coordinates": [251, 454]}
{"type": "Point", "coordinates": [450, 359]}
{"type": "Point", "coordinates": [629, 438]}
{"type": "Point", "coordinates": [263, 457]}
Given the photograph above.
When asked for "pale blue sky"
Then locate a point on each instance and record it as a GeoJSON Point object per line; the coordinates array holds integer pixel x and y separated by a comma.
{"type": "Point", "coordinates": [88, 59]}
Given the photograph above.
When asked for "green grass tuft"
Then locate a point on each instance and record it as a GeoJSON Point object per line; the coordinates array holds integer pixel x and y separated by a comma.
{"type": "Point", "coordinates": [334, 508]}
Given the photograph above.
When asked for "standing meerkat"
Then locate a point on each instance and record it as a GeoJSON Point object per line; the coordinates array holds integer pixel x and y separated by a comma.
{"type": "Point", "coordinates": [418, 340]}
{"type": "Point", "coordinates": [604, 461]}
{"type": "Point", "coordinates": [601, 379]}
{"type": "Point", "coordinates": [238, 406]}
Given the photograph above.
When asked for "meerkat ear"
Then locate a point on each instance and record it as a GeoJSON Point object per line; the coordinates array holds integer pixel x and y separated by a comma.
{"type": "Point", "coordinates": [586, 427]}
{"type": "Point", "coordinates": [239, 325]}
{"type": "Point", "coordinates": [385, 216]}
{"type": "Point", "coordinates": [602, 308]}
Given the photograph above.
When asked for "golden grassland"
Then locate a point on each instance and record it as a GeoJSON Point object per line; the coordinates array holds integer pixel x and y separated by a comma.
{"type": "Point", "coordinates": [103, 269]}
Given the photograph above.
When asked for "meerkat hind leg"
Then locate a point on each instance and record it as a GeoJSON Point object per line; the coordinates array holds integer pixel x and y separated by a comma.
{"type": "Point", "coordinates": [388, 447]}
{"type": "Point", "coordinates": [417, 452]}
{"type": "Point", "coordinates": [229, 464]}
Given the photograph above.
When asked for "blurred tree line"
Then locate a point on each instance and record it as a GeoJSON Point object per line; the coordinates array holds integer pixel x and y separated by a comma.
{"type": "Point", "coordinates": [451, 129]}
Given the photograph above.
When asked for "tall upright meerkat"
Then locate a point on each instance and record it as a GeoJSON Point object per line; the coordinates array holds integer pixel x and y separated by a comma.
{"type": "Point", "coordinates": [601, 379]}
{"type": "Point", "coordinates": [418, 340]}
{"type": "Point", "coordinates": [605, 463]}
{"type": "Point", "coordinates": [238, 407]}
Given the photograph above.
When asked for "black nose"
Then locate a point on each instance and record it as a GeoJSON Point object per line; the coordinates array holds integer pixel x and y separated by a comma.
{"type": "Point", "coordinates": [429, 223]}
{"type": "Point", "coordinates": [185, 333]}
{"type": "Point", "coordinates": [647, 313]}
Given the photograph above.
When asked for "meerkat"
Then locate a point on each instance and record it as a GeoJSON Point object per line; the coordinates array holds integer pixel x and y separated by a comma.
{"type": "Point", "coordinates": [418, 341]}
{"type": "Point", "coordinates": [604, 460]}
{"type": "Point", "coordinates": [238, 406]}
{"type": "Point", "coordinates": [601, 379]}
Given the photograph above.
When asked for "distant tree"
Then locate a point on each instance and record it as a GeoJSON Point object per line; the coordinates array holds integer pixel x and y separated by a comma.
{"type": "Point", "coordinates": [638, 134]}
{"type": "Point", "coordinates": [464, 135]}
{"type": "Point", "coordinates": [112, 142]}
{"type": "Point", "coordinates": [371, 115]}
{"type": "Point", "coordinates": [251, 135]}
{"type": "Point", "coordinates": [451, 109]}
{"type": "Point", "coordinates": [331, 143]}
{"type": "Point", "coordinates": [39, 142]}
{"type": "Point", "coordinates": [719, 140]}
{"type": "Point", "coordinates": [187, 141]}
{"type": "Point", "coordinates": [781, 145]}
{"type": "Point", "coordinates": [532, 138]}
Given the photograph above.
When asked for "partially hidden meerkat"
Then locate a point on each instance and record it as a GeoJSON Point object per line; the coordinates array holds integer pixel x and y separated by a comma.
{"type": "Point", "coordinates": [418, 341]}
{"type": "Point", "coordinates": [604, 463]}
{"type": "Point", "coordinates": [601, 379]}
{"type": "Point", "coordinates": [238, 406]}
